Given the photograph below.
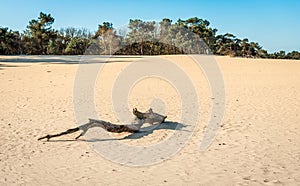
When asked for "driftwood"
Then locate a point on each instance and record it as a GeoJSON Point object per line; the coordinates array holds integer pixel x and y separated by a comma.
{"type": "Point", "coordinates": [149, 117]}
{"type": "Point", "coordinates": [141, 118]}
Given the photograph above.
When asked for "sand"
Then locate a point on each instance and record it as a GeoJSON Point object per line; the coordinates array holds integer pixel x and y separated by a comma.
{"type": "Point", "coordinates": [258, 143]}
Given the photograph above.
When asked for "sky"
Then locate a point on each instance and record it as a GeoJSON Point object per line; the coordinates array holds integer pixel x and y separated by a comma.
{"type": "Point", "coordinates": [274, 24]}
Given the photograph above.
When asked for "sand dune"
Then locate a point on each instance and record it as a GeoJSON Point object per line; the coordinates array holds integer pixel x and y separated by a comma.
{"type": "Point", "coordinates": [258, 143]}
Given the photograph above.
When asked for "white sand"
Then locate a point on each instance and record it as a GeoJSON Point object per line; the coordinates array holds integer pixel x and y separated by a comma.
{"type": "Point", "coordinates": [257, 145]}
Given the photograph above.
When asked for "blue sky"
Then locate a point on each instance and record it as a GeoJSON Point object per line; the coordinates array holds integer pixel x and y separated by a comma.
{"type": "Point", "coordinates": [272, 23]}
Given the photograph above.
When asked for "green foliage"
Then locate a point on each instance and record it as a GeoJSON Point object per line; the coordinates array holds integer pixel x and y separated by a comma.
{"type": "Point", "coordinates": [142, 38]}
{"type": "Point", "coordinates": [141, 31]}
{"type": "Point", "coordinates": [76, 46]}
{"type": "Point", "coordinates": [10, 42]}
{"type": "Point", "coordinates": [293, 55]}
{"type": "Point", "coordinates": [107, 40]}
{"type": "Point", "coordinates": [104, 28]}
{"type": "Point", "coordinates": [38, 34]}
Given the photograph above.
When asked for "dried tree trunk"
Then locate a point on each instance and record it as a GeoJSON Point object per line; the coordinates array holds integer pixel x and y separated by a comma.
{"type": "Point", "coordinates": [141, 118]}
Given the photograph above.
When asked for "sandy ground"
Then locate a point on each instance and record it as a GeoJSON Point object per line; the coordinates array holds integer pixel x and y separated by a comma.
{"type": "Point", "coordinates": [258, 143]}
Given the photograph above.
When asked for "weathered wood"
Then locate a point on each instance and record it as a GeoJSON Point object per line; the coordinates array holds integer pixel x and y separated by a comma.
{"type": "Point", "coordinates": [150, 116]}
{"type": "Point", "coordinates": [141, 118]}
{"type": "Point", "coordinates": [110, 127]}
{"type": "Point", "coordinates": [69, 131]}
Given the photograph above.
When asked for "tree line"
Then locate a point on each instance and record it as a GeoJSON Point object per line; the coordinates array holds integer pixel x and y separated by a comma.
{"type": "Point", "coordinates": [189, 36]}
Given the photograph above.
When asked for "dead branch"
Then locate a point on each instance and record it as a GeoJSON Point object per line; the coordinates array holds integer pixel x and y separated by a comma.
{"type": "Point", "coordinates": [69, 131]}
{"type": "Point", "coordinates": [141, 118]}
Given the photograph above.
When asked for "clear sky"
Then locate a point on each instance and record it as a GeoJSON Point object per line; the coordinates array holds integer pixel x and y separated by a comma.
{"type": "Point", "coordinates": [274, 24]}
